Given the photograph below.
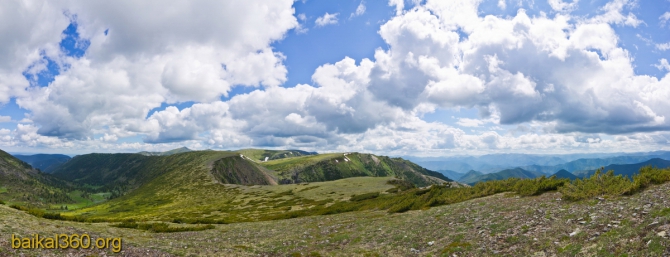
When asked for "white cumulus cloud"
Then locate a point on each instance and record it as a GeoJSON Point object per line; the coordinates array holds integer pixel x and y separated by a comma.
{"type": "Point", "coordinates": [327, 19]}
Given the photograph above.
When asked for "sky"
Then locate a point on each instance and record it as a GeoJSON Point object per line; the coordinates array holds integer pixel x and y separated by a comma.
{"type": "Point", "coordinates": [419, 78]}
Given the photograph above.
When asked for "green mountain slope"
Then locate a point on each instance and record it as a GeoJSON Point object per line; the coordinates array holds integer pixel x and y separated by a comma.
{"type": "Point", "coordinates": [504, 174]}
{"type": "Point", "coordinates": [44, 162]}
{"type": "Point", "coordinates": [326, 167]}
{"type": "Point", "coordinates": [123, 173]}
{"type": "Point", "coordinates": [210, 184]}
{"type": "Point", "coordinates": [240, 170]}
{"type": "Point", "coordinates": [20, 183]}
{"type": "Point", "coordinates": [117, 173]}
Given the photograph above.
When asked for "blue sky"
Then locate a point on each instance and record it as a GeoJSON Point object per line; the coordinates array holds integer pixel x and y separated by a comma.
{"type": "Point", "coordinates": [426, 78]}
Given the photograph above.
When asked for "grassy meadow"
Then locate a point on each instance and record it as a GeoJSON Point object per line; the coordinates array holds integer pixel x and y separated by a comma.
{"type": "Point", "coordinates": [502, 224]}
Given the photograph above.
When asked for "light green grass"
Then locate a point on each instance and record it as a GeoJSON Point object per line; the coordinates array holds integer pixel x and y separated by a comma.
{"type": "Point", "coordinates": [3, 190]}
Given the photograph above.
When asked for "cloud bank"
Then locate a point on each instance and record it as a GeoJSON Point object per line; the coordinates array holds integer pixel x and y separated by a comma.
{"type": "Point", "coordinates": [557, 78]}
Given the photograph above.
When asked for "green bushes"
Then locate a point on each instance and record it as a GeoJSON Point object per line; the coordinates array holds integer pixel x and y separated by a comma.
{"type": "Point", "coordinates": [597, 185]}
{"type": "Point", "coordinates": [400, 185]}
{"type": "Point", "coordinates": [161, 227]}
{"type": "Point", "coordinates": [2, 202]}
{"type": "Point", "coordinates": [199, 221]}
{"type": "Point", "coordinates": [529, 187]}
{"type": "Point", "coordinates": [608, 184]}
{"type": "Point", "coordinates": [648, 176]}
{"type": "Point", "coordinates": [358, 198]}
{"type": "Point", "coordinates": [38, 213]}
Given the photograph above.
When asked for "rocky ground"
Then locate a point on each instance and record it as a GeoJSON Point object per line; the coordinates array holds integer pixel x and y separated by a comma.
{"type": "Point", "coordinates": [499, 225]}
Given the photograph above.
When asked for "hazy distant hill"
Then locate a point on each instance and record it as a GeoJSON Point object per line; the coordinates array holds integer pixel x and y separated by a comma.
{"type": "Point", "coordinates": [565, 174]}
{"type": "Point", "coordinates": [452, 174]}
{"type": "Point", "coordinates": [487, 163]}
{"type": "Point", "coordinates": [628, 169]}
{"type": "Point", "coordinates": [44, 162]}
{"type": "Point", "coordinates": [547, 164]}
{"type": "Point", "coordinates": [589, 164]}
{"type": "Point", "coordinates": [470, 176]}
{"type": "Point", "coordinates": [504, 174]}
{"type": "Point", "coordinates": [171, 152]}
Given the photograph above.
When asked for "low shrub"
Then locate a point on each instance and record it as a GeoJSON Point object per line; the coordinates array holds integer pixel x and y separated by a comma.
{"type": "Point", "coordinates": [161, 227]}
{"type": "Point", "coordinates": [358, 198]}
{"type": "Point", "coordinates": [537, 186]}
{"type": "Point", "coordinates": [597, 185]}
{"type": "Point", "coordinates": [401, 184]}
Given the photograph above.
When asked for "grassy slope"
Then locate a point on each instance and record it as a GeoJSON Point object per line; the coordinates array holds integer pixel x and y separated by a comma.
{"type": "Point", "coordinates": [198, 185]}
{"type": "Point", "coordinates": [498, 225]}
{"type": "Point", "coordinates": [239, 170]}
{"type": "Point", "coordinates": [19, 183]}
{"type": "Point", "coordinates": [186, 189]}
{"type": "Point", "coordinates": [325, 167]}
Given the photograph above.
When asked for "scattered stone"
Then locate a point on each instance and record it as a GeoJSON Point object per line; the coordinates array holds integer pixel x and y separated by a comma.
{"type": "Point", "coordinates": [414, 250]}
{"type": "Point", "coordinates": [431, 243]}
{"type": "Point", "coordinates": [661, 234]}
{"type": "Point", "coordinates": [653, 224]}
{"type": "Point", "coordinates": [575, 232]}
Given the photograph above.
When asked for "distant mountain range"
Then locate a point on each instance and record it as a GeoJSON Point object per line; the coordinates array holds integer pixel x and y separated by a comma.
{"type": "Point", "coordinates": [547, 164]}
{"type": "Point", "coordinates": [565, 174]}
{"type": "Point", "coordinates": [628, 169]}
{"type": "Point", "coordinates": [472, 177]}
{"type": "Point", "coordinates": [452, 174]}
{"type": "Point", "coordinates": [44, 162]}
{"type": "Point", "coordinates": [503, 174]}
